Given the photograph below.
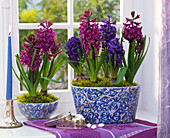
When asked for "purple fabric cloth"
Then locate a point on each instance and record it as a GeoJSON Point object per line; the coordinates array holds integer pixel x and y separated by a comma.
{"type": "Point", "coordinates": [138, 129]}
{"type": "Point", "coordinates": [164, 117]}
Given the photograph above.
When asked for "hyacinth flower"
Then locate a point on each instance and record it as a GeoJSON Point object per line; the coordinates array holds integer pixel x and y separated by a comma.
{"type": "Point", "coordinates": [114, 58]}
{"type": "Point", "coordinates": [51, 58]}
{"type": "Point", "coordinates": [46, 36]}
{"type": "Point", "coordinates": [91, 38]}
{"type": "Point", "coordinates": [115, 50]}
{"type": "Point", "coordinates": [31, 57]}
{"type": "Point", "coordinates": [74, 55]}
{"type": "Point", "coordinates": [42, 57]}
{"type": "Point", "coordinates": [132, 32]}
{"type": "Point", "coordinates": [108, 31]}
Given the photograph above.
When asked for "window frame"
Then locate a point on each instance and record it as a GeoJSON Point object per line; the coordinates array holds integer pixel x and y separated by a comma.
{"type": "Point", "coordinates": [69, 25]}
{"type": "Point", "coordinates": [149, 95]}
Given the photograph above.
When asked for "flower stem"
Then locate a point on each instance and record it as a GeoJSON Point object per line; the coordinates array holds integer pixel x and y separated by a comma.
{"type": "Point", "coordinates": [31, 76]}
{"type": "Point", "coordinates": [51, 66]}
{"type": "Point", "coordinates": [93, 57]}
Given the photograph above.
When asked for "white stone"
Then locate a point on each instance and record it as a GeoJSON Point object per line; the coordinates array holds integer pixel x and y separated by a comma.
{"type": "Point", "coordinates": [93, 126]}
{"type": "Point", "coordinates": [88, 125]}
{"type": "Point", "coordinates": [101, 125]}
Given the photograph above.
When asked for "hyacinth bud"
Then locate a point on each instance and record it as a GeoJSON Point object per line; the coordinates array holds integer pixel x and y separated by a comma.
{"type": "Point", "coordinates": [46, 24]}
{"type": "Point", "coordinates": [139, 45]}
{"type": "Point", "coordinates": [55, 50]}
{"type": "Point", "coordinates": [137, 17]}
{"type": "Point", "coordinates": [31, 38]}
{"type": "Point", "coordinates": [87, 13]}
{"type": "Point", "coordinates": [133, 14]}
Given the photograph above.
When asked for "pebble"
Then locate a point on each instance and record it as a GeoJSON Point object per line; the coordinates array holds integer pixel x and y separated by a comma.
{"type": "Point", "coordinates": [93, 126]}
{"type": "Point", "coordinates": [101, 125]}
{"type": "Point", "coordinates": [88, 125]}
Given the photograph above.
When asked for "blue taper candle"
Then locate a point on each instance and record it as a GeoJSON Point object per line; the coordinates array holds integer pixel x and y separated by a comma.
{"type": "Point", "coordinates": [9, 71]}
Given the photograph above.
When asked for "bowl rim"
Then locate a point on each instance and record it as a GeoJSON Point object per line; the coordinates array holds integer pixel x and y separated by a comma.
{"type": "Point", "coordinates": [39, 103]}
{"type": "Point", "coordinates": [137, 86]}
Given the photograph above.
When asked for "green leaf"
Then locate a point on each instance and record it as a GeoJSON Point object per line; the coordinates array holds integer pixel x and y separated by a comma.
{"type": "Point", "coordinates": [132, 54]}
{"type": "Point", "coordinates": [103, 55]}
{"type": "Point", "coordinates": [79, 54]}
{"type": "Point", "coordinates": [58, 58]}
{"type": "Point", "coordinates": [144, 40]}
{"type": "Point", "coordinates": [65, 58]}
{"type": "Point", "coordinates": [94, 2]}
{"type": "Point", "coordinates": [101, 2]}
{"type": "Point", "coordinates": [46, 69]}
{"type": "Point", "coordinates": [124, 60]}
{"type": "Point", "coordinates": [56, 67]}
{"type": "Point", "coordinates": [36, 83]}
{"type": "Point", "coordinates": [115, 57]}
{"type": "Point", "coordinates": [110, 63]}
{"type": "Point", "coordinates": [23, 74]}
{"type": "Point", "coordinates": [36, 72]}
{"type": "Point", "coordinates": [88, 71]}
{"type": "Point", "coordinates": [122, 73]}
{"type": "Point", "coordinates": [33, 57]}
{"type": "Point", "coordinates": [134, 71]}
{"type": "Point", "coordinates": [70, 63]}
{"type": "Point", "coordinates": [20, 80]}
{"type": "Point", "coordinates": [141, 60]}
{"type": "Point", "coordinates": [91, 62]}
{"type": "Point", "coordinates": [51, 80]}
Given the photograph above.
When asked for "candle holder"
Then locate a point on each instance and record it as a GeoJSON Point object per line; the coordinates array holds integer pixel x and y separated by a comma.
{"type": "Point", "coordinates": [9, 120]}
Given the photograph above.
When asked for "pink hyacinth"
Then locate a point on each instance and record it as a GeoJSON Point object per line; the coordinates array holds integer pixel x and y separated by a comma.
{"type": "Point", "coordinates": [89, 33]}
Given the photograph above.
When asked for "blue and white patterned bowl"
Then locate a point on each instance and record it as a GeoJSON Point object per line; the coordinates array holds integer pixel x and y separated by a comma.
{"type": "Point", "coordinates": [110, 105]}
{"type": "Point", "coordinates": [37, 111]}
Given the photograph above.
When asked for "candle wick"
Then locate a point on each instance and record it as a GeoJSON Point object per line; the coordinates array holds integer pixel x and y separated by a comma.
{"type": "Point", "coordinates": [9, 33]}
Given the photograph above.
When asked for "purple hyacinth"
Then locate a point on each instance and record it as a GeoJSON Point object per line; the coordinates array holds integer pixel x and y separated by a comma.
{"type": "Point", "coordinates": [108, 31]}
{"type": "Point", "coordinates": [72, 46]}
{"type": "Point", "coordinates": [114, 47]}
{"type": "Point", "coordinates": [29, 47]}
{"type": "Point", "coordinates": [89, 33]}
{"type": "Point", "coordinates": [46, 36]}
{"type": "Point", "coordinates": [132, 29]}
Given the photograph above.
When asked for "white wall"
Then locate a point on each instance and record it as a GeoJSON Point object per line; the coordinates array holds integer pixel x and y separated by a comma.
{"type": "Point", "coordinates": [152, 28]}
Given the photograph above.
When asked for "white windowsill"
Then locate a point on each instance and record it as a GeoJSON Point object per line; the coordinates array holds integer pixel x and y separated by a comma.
{"type": "Point", "coordinates": [30, 132]}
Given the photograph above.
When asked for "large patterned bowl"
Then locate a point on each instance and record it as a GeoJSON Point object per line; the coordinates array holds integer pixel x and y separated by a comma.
{"type": "Point", "coordinates": [108, 105]}
{"type": "Point", "coordinates": [37, 111]}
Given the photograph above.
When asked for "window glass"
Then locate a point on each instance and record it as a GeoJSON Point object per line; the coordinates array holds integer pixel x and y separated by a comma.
{"type": "Point", "coordinates": [100, 9]}
{"type": "Point", "coordinates": [35, 11]}
{"type": "Point", "coordinates": [62, 74]}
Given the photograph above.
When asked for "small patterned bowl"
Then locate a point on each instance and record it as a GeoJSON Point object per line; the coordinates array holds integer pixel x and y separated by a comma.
{"type": "Point", "coordinates": [37, 111]}
{"type": "Point", "coordinates": [109, 105]}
